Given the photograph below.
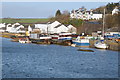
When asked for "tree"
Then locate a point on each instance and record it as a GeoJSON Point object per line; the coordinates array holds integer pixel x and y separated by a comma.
{"type": "Point", "coordinates": [66, 12]}
{"type": "Point", "coordinates": [58, 13]}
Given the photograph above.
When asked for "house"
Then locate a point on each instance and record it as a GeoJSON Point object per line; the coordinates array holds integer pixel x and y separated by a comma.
{"type": "Point", "coordinates": [15, 28]}
{"type": "Point", "coordinates": [51, 27]}
{"type": "Point", "coordinates": [29, 29]}
{"type": "Point", "coordinates": [2, 27]}
{"type": "Point", "coordinates": [60, 29]}
{"type": "Point", "coordinates": [82, 13]}
{"type": "Point", "coordinates": [42, 27]}
{"type": "Point", "coordinates": [8, 27]}
{"type": "Point", "coordinates": [21, 29]}
{"type": "Point", "coordinates": [115, 11]}
{"type": "Point", "coordinates": [71, 29]}
{"type": "Point", "coordinates": [55, 27]}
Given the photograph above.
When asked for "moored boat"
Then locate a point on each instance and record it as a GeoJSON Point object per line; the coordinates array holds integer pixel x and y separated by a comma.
{"type": "Point", "coordinates": [101, 44]}
{"type": "Point", "coordinates": [80, 41]}
{"type": "Point", "coordinates": [24, 40]}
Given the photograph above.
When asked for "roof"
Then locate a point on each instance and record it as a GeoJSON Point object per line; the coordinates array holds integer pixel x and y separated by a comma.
{"type": "Point", "coordinates": [15, 26]}
{"type": "Point", "coordinates": [22, 29]}
{"type": "Point", "coordinates": [58, 26]}
{"type": "Point", "coordinates": [3, 28]}
{"type": "Point", "coordinates": [70, 26]}
{"type": "Point", "coordinates": [55, 23]}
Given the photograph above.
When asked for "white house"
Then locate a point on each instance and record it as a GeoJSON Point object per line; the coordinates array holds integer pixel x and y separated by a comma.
{"type": "Point", "coordinates": [55, 27]}
{"type": "Point", "coordinates": [8, 27]}
{"type": "Point", "coordinates": [51, 27]}
{"type": "Point", "coordinates": [42, 27]}
{"type": "Point", "coordinates": [82, 13]}
{"type": "Point", "coordinates": [115, 11]}
{"type": "Point", "coordinates": [29, 29]}
{"type": "Point", "coordinates": [60, 29]}
{"type": "Point", "coordinates": [15, 28]}
{"type": "Point", "coordinates": [2, 27]}
{"type": "Point", "coordinates": [20, 29]}
{"type": "Point", "coordinates": [96, 16]}
{"type": "Point", "coordinates": [72, 29]}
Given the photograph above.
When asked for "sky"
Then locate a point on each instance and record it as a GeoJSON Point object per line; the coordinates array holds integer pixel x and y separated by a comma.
{"type": "Point", "coordinates": [42, 9]}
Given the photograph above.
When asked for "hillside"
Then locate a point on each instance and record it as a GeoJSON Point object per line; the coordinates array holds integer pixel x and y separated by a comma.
{"type": "Point", "coordinates": [109, 7]}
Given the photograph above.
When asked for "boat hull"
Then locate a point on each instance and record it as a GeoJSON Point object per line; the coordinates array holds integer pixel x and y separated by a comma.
{"type": "Point", "coordinates": [103, 46]}
{"type": "Point", "coordinates": [81, 44]}
{"type": "Point", "coordinates": [100, 45]}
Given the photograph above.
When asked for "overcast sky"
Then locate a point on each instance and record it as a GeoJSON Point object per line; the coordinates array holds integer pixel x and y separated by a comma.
{"type": "Point", "coordinates": [42, 9]}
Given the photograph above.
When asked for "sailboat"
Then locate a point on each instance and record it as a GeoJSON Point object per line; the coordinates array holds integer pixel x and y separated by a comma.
{"type": "Point", "coordinates": [100, 43]}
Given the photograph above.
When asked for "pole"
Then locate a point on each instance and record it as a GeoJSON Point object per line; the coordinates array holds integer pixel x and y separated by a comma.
{"type": "Point", "coordinates": [103, 23]}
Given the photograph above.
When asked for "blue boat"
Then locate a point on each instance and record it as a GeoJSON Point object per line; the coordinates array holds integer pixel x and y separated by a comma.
{"type": "Point", "coordinates": [81, 41]}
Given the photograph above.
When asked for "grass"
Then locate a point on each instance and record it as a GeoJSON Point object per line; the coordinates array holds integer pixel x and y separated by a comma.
{"type": "Point", "coordinates": [27, 20]}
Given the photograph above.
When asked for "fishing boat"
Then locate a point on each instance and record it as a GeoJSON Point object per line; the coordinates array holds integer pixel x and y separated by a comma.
{"type": "Point", "coordinates": [101, 44]}
{"type": "Point", "coordinates": [65, 36]}
{"type": "Point", "coordinates": [62, 36]}
{"type": "Point", "coordinates": [81, 41]}
{"type": "Point", "coordinates": [44, 37]}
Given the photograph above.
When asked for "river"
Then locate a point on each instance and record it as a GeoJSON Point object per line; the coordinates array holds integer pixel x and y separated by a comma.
{"type": "Point", "coordinates": [55, 61]}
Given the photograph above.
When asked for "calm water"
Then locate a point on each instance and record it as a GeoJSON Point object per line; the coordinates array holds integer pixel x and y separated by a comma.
{"type": "Point", "coordinates": [48, 61]}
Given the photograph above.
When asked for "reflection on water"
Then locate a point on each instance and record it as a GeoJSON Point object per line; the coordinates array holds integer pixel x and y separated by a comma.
{"type": "Point", "coordinates": [46, 61]}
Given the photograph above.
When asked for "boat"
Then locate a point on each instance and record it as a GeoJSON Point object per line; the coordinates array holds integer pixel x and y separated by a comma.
{"type": "Point", "coordinates": [44, 37]}
{"type": "Point", "coordinates": [101, 44]}
{"type": "Point", "coordinates": [81, 41]}
{"type": "Point", "coordinates": [86, 50]}
{"type": "Point", "coordinates": [62, 36]}
{"type": "Point", "coordinates": [65, 36]}
{"type": "Point", "coordinates": [73, 45]}
{"type": "Point", "coordinates": [24, 40]}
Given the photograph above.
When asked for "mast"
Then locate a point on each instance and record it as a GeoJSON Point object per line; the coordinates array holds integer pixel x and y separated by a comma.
{"type": "Point", "coordinates": [103, 24]}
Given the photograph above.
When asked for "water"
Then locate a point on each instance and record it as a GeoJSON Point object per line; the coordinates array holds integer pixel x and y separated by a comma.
{"type": "Point", "coordinates": [48, 61]}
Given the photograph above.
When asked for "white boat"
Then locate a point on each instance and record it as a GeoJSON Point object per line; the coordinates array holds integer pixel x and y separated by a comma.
{"type": "Point", "coordinates": [44, 37]}
{"type": "Point", "coordinates": [101, 45]}
{"type": "Point", "coordinates": [22, 41]}
{"type": "Point", "coordinates": [73, 45]}
{"type": "Point", "coordinates": [62, 36]}
{"type": "Point", "coordinates": [81, 41]}
{"type": "Point", "coordinates": [65, 36]}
